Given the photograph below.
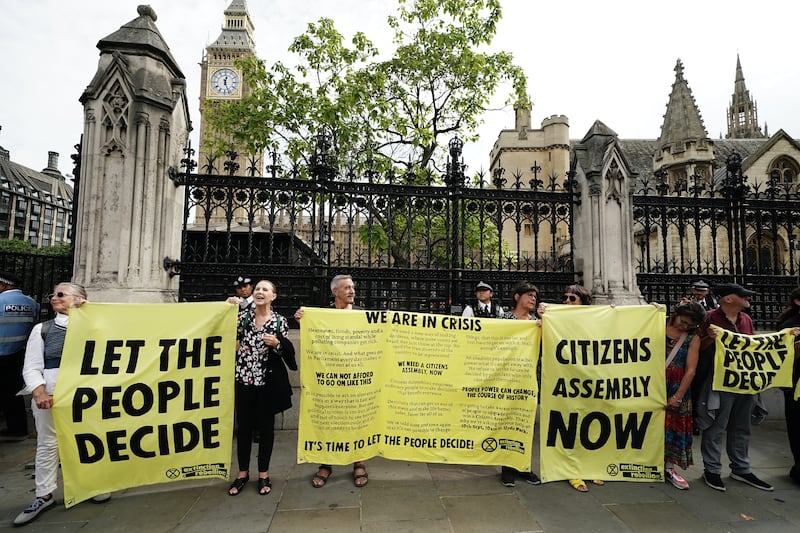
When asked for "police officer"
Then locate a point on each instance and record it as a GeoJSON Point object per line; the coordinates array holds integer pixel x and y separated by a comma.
{"type": "Point", "coordinates": [244, 290]}
{"type": "Point", "coordinates": [701, 294]}
{"type": "Point", "coordinates": [484, 307]}
{"type": "Point", "coordinates": [17, 316]}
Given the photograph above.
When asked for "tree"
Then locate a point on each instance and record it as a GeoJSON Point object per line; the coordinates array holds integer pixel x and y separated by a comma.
{"type": "Point", "coordinates": [378, 115]}
{"type": "Point", "coordinates": [437, 84]}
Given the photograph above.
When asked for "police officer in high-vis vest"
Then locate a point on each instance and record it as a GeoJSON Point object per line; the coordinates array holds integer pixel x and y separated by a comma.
{"type": "Point", "coordinates": [17, 316]}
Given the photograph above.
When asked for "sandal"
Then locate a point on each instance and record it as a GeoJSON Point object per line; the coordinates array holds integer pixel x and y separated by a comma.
{"type": "Point", "coordinates": [238, 484]}
{"type": "Point", "coordinates": [319, 480]}
{"type": "Point", "coordinates": [578, 485]}
{"type": "Point", "coordinates": [264, 483]}
{"type": "Point", "coordinates": [598, 482]}
{"type": "Point", "coordinates": [362, 478]}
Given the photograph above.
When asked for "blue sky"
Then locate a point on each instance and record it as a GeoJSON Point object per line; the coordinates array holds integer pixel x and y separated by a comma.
{"type": "Point", "coordinates": [613, 61]}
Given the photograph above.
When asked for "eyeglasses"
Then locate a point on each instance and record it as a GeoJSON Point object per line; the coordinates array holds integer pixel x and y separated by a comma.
{"type": "Point", "coordinates": [686, 324]}
{"type": "Point", "coordinates": [59, 294]}
{"type": "Point", "coordinates": [570, 298]}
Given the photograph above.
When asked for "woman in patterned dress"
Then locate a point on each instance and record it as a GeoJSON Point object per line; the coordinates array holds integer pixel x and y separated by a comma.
{"type": "Point", "coordinates": [261, 382]}
{"type": "Point", "coordinates": [681, 330]}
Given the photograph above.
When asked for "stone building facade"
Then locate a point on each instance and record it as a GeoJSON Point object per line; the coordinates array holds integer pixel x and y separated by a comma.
{"type": "Point", "coordinates": [35, 206]}
{"type": "Point", "coordinates": [683, 156]}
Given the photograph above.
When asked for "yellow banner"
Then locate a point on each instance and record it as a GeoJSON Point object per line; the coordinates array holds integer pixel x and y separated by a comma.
{"type": "Point", "coordinates": [144, 395]}
{"type": "Point", "coordinates": [749, 364]}
{"type": "Point", "coordinates": [416, 387]}
{"type": "Point", "coordinates": [603, 393]}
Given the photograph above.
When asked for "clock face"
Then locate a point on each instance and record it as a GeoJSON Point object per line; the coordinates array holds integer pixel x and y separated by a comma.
{"type": "Point", "coordinates": [225, 82]}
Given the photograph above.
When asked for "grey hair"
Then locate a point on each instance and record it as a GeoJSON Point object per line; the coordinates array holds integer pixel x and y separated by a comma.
{"type": "Point", "coordinates": [74, 289]}
{"type": "Point", "coordinates": [336, 279]}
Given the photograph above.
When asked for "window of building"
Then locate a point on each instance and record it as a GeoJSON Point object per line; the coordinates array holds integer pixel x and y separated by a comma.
{"type": "Point", "coordinates": [527, 229]}
{"type": "Point", "coordinates": [784, 169]}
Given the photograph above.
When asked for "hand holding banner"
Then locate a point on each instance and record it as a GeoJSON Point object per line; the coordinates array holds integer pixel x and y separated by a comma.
{"type": "Point", "coordinates": [603, 393]}
{"type": "Point", "coordinates": [144, 395]}
{"type": "Point", "coordinates": [416, 387]}
{"type": "Point", "coordinates": [749, 364]}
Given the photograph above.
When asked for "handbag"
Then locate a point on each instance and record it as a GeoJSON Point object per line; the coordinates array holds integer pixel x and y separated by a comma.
{"type": "Point", "coordinates": [287, 348]}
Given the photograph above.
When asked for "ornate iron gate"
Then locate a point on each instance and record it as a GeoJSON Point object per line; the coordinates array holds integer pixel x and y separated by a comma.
{"type": "Point", "coordinates": [723, 230]}
{"type": "Point", "coordinates": [413, 242]}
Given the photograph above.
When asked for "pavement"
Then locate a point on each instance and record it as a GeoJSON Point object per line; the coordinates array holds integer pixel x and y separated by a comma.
{"type": "Point", "coordinates": [418, 497]}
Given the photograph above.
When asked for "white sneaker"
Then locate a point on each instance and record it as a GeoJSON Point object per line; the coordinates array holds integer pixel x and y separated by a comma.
{"type": "Point", "coordinates": [101, 498]}
{"type": "Point", "coordinates": [31, 512]}
{"type": "Point", "coordinates": [677, 481]}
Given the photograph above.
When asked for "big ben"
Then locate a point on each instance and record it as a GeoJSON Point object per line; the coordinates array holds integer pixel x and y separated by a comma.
{"type": "Point", "coordinates": [221, 80]}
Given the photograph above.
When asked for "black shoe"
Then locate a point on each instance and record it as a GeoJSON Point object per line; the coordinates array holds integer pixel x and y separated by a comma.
{"type": "Point", "coordinates": [507, 476]}
{"type": "Point", "coordinates": [31, 512]}
{"type": "Point", "coordinates": [751, 479]}
{"type": "Point", "coordinates": [714, 481]}
{"type": "Point", "coordinates": [530, 477]}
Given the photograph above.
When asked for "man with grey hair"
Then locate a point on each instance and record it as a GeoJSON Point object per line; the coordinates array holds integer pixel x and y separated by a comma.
{"type": "Point", "coordinates": [344, 294]}
{"type": "Point", "coordinates": [18, 313]}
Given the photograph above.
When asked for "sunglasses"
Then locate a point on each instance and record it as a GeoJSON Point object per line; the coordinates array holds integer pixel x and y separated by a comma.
{"type": "Point", "coordinates": [686, 324]}
{"type": "Point", "coordinates": [570, 298]}
{"type": "Point", "coordinates": [59, 294]}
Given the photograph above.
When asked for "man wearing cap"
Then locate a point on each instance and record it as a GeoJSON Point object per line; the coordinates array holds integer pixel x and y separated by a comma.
{"type": "Point", "coordinates": [244, 290]}
{"type": "Point", "coordinates": [701, 293]}
{"type": "Point", "coordinates": [17, 316]}
{"type": "Point", "coordinates": [485, 307]}
{"type": "Point", "coordinates": [727, 411]}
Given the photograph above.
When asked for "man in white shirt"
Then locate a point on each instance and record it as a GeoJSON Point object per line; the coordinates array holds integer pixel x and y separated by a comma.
{"type": "Point", "coordinates": [244, 290]}
{"type": "Point", "coordinates": [484, 307]}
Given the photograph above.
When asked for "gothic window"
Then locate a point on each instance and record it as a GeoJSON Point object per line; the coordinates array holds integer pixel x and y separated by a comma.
{"type": "Point", "coordinates": [765, 255]}
{"type": "Point", "coordinates": [784, 169]}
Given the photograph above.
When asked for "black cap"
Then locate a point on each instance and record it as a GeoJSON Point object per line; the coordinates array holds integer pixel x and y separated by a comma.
{"type": "Point", "coordinates": [483, 286]}
{"type": "Point", "coordinates": [242, 280]}
{"type": "Point", "coordinates": [724, 289]}
{"type": "Point", "coordinates": [700, 285]}
{"type": "Point", "coordinates": [8, 278]}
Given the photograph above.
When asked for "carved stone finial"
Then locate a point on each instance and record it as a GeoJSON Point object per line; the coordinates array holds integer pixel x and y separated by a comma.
{"type": "Point", "coordinates": [146, 11]}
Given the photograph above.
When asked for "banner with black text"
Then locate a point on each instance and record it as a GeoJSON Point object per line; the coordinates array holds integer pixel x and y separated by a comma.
{"type": "Point", "coordinates": [144, 395]}
{"type": "Point", "coordinates": [603, 393]}
{"type": "Point", "coordinates": [417, 387]}
{"type": "Point", "coordinates": [749, 364]}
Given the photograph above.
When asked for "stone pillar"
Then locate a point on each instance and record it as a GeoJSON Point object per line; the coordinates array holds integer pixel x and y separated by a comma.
{"type": "Point", "coordinates": [603, 223]}
{"type": "Point", "coordinates": [136, 123]}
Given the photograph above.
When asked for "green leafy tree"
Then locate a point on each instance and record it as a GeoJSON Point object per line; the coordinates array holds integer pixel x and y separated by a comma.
{"type": "Point", "coordinates": [383, 114]}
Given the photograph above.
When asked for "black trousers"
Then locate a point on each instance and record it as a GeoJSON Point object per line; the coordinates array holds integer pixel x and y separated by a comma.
{"type": "Point", "coordinates": [254, 412]}
{"type": "Point", "coordinates": [792, 412]}
{"type": "Point", "coordinates": [10, 383]}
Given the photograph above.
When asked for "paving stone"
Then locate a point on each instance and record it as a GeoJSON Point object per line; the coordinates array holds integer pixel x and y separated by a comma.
{"type": "Point", "coordinates": [495, 513]}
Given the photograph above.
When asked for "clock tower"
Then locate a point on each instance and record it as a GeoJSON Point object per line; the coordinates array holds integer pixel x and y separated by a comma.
{"type": "Point", "coordinates": [221, 80]}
